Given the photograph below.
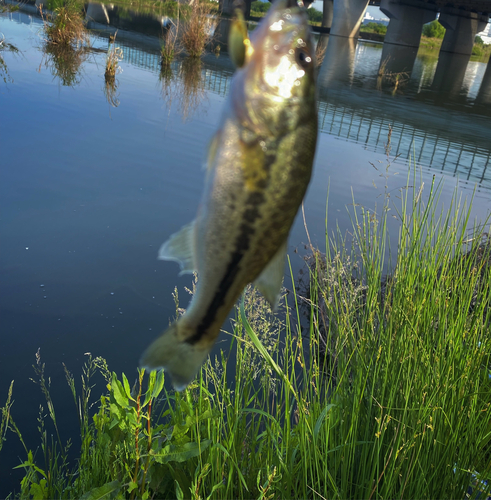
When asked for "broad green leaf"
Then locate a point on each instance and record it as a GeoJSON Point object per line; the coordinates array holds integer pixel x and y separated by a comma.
{"type": "Point", "coordinates": [179, 493]}
{"type": "Point", "coordinates": [37, 491]}
{"type": "Point", "coordinates": [132, 486]}
{"type": "Point", "coordinates": [108, 490]}
{"type": "Point", "coordinates": [172, 453]}
{"type": "Point", "coordinates": [151, 384]}
{"type": "Point", "coordinates": [118, 392]}
{"type": "Point", "coordinates": [159, 384]}
{"type": "Point", "coordinates": [127, 387]}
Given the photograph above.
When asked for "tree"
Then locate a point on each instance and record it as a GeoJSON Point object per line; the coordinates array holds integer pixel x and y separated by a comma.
{"type": "Point", "coordinates": [434, 30]}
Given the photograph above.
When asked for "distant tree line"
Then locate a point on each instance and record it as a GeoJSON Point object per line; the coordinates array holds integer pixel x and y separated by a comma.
{"type": "Point", "coordinates": [374, 28]}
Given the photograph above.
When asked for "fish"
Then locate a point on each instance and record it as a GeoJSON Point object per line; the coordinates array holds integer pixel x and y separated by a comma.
{"type": "Point", "coordinates": [258, 168]}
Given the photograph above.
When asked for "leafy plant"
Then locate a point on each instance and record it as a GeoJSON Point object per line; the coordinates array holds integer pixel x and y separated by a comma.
{"type": "Point", "coordinates": [433, 30]}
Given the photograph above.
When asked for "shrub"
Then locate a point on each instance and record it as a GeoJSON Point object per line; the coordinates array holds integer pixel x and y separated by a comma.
{"type": "Point", "coordinates": [259, 6]}
{"type": "Point", "coordinates": [374, 28]}
{"type": "Point", "coordinates": [434, 30]}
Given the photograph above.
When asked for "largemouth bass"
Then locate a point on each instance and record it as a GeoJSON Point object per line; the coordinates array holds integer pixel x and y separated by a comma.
{"type": "Point", "coordinates": [258, 169]}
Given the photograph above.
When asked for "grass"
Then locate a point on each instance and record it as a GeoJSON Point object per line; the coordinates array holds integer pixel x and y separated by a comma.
{"type": "Point", "coordinates": [65, 26]}
{"type": "Point", "coordinates": [114, 55]}
{"type": "Point", "coordinates": [480, 51]}
{"type": "Point", "coordinates": [196, 28]}
{"type": "Point", "coordinates": [373, 381]}
{"type": "Point", "coordinates": [170, 47]}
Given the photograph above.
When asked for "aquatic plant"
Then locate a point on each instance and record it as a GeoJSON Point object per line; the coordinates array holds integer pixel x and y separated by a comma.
{"type": "Point", "coordinates": [169, 47]}
{"type": "Point", "coordinates": [114, 55]}
{"type": "Point", "coordinates": [197, 28]}
{"type": "Point", "coordinates": [65, 26]}
{"type": "Point", "coordinates": [372, 381]}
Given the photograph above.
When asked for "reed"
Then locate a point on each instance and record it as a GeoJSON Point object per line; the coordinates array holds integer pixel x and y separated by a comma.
{"type": "Point", "coordinates": [65, 26]}
{"type": "Point", "coordinates": [196, 28]}
{"type": "Point", "coordinates": [114, 56]}
{"type": "Point", "coordinates": [372, 381]}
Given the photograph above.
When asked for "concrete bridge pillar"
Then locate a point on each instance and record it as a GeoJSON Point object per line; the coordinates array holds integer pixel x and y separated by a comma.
{"type": "Point", "coordinates": [397, 59]}
{"type": "Point", "coordinates": [327, 12]}
{"type": "Point", "coordinates": [449, 74]}
{"type": "Point", "coordinates": [347, 17]}
{"type": "Point", "coordinates": [338, 66]}
{"type": "Point", "coordinates": [462, 27]}
{"type": "Point", "coordinates": [406, 22]}
{"type": "Point", "coordinates": [484, 94]}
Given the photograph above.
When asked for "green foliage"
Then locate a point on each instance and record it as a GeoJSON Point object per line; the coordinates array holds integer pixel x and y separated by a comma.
{"type": "Point", "coordinates": [260, 7]}
{"type": "Point", "coordinates": [480, 50]}
{"type": "Point", "coordinates": [364, 387]}
{"type": "Point", "coordinates": [66, 25]}
{"type": "Point", "coordinates": [434, 30]}
{"type": "Point", "coordinates": [315, 16]}
{"type": "Point", "coordinates": [374, 28]}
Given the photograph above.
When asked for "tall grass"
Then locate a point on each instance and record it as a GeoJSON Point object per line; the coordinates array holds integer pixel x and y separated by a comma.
{"type": "Point", "coordinates": [365, 387]}
{"type": "Point", "coordinates": [65, 26]}
{"type": "Point", "coordinates": [196, 28]}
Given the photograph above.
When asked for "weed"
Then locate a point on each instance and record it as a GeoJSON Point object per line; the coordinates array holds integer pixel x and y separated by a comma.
{"type": "Point", "coordinates": [114, 55]}
{"type": "Point", "coordinates": [170, 47]}
{"type": "Point", "coordinates": [66, 25]}
{"type": "Point", "coordinates": [197, 28]}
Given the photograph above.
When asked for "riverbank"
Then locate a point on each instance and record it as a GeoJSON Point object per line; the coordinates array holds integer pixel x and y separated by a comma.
{"type": "Point", "coordinates": [363, 386]}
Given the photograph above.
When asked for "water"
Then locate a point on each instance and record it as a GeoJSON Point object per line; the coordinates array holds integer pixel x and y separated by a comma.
{"type": "Point", "coordinates": [90, 190]}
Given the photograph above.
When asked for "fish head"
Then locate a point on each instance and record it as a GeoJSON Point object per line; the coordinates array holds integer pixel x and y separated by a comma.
{"type": "Point", "coordinates": [277, 78]}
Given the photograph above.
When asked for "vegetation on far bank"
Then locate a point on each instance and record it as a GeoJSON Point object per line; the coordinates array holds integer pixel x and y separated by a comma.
{"type": "Point", "coordinates": [365, 385]}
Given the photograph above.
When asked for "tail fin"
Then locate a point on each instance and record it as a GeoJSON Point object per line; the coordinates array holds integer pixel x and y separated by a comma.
{"type": "Point", "coordinates": [181, 359]}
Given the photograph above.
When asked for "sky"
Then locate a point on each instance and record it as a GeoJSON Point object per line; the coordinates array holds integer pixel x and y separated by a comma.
{"type": "Point", "coordinates": [374, 11]}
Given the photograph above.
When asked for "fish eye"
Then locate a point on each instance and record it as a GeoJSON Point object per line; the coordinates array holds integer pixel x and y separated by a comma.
{"type": "Point", "coordinates": [303, 58]}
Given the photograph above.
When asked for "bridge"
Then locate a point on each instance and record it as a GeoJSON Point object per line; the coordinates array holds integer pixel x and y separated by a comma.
{"type": "Point", "coordinates": [346, 111]}
{"type": "Point", "coordinates": [462, 19]}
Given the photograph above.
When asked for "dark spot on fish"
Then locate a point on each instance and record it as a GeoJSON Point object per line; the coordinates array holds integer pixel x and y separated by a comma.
{"type": "Point", "coordinates": [242, 244]}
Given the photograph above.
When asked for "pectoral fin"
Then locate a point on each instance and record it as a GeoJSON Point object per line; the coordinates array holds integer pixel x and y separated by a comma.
{"type": "Point", "coordinates": [270, 280]}
{"type": "Point", "coordinates": [239, 45]}
{"type": "Point", "coordinates": [181, 248]}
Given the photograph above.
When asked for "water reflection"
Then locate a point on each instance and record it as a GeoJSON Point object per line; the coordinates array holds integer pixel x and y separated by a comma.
{"type": "Point", "coordinates": [183, 83]}
{"type": "Point", "coordinates": [449, 76]}
{"type": "Point", "coordinates": [484, 95]}
{"type": "Point", "coordinates": [6, 47]}
{"type": "Point", "coordinates": [338, 65]}
{"type": "Point", "coordinates": [65, 62]}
